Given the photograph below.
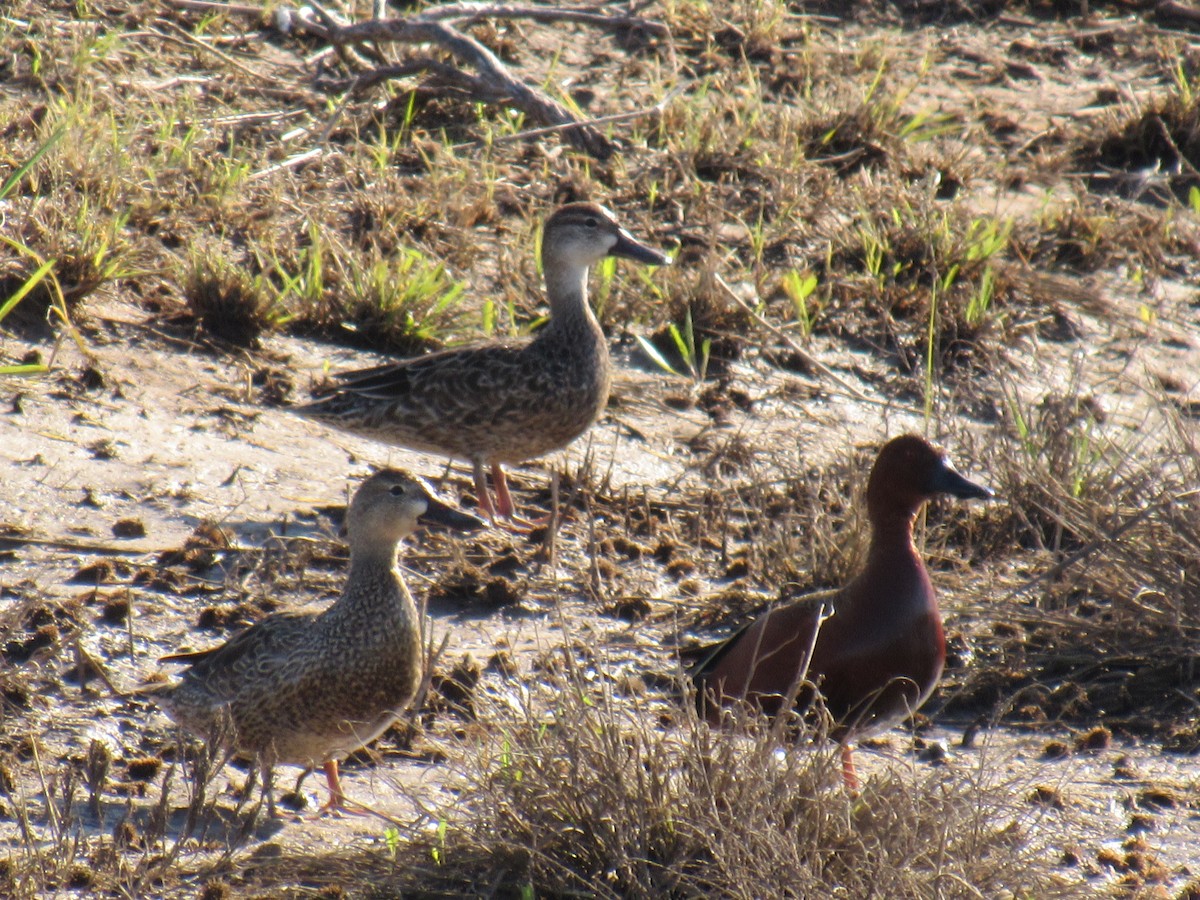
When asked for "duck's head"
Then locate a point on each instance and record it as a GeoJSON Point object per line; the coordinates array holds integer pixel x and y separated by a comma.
{"type": "Point", "coordinates": [579, 235]}
{"type": "Point", "coordinates": [908, 472]}
{"type": "Point", "coordinates": [391, 504]}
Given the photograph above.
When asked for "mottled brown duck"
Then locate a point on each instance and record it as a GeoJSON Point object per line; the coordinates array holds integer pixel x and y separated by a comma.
{"type": "Point", "coordinates": [306, 689]}
{"type": "Point", "coordinates": [503, 401]}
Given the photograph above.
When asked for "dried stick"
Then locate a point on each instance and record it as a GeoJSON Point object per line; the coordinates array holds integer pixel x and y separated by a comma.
{"type": "Point", "coordinates": [658, 107]}
{"type": "Point", "coordinates": [1170, 11]}
{"type": "Point", "coordinates": [808, 359]}
{"type": "Point", "coordinates": [493, 81]}
{"type": "Point", "coordinates": [473, 12]}
{"type": "Point", "coordinates": [218, 6]}
{"type": "Point", "coordinates": [182, 37]}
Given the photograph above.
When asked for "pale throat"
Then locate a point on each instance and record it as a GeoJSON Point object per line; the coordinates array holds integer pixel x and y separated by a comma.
{"type": "Point", "coordinates": [376, 558]}
{"type": "Point", "coordinates": [566, 286]}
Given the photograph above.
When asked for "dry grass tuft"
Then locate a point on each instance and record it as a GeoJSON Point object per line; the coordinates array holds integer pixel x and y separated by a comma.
{"type": "Point", "coordinates": [226, 301]}
{"type": "Point", "coordinates": [921, 282]}
{"type": "Point", "coordinates": [567, 790]}
{"type": "Point", "coordinates": [1108, 624]}
{"type": "Point", "coordinates": [1152, 153]}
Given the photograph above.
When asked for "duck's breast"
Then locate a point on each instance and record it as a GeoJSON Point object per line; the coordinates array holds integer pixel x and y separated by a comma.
{"type": "Point", "coordinates": [877, 664]}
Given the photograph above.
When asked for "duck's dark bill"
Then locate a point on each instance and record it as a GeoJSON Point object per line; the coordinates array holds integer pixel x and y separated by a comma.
{"type": "Point", "coordinates": [946, 480]}
{"type": "Point", "coordinates": [440, 515]}
{"type": "Point", "coordinates": [629, 248]}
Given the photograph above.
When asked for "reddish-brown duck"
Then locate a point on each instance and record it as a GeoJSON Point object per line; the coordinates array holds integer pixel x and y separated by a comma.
{"type": "Point", "coordinates": [874, 648]}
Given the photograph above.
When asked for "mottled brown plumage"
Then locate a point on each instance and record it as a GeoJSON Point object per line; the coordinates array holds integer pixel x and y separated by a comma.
{"type": "Point", "coordinates": [306, 689]}
{"type": "Point", "coordinates": [502, 401]}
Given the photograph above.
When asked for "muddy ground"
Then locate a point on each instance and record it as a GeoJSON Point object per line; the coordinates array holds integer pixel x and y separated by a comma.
{"type": "Point", "coordinates": [158, 494]}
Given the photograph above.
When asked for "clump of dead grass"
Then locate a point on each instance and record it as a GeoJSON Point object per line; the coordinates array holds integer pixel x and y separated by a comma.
{"type": "Point", "coordinates": [808, 532]}
{"type": "Point", "coordinates": [84, 248]}
{"type": "Point", "coordinates": [1155, 148]}
{"type": "Point", "coordinates": [1106, 622]}
{"type": "Point", "coordinates": [566, 789]}
{"type": "Point", "coordinates": [81, 832]}
{"type": "Point", "coordinates": [404, 301]}
{"type": "Point", "coordinates": [922, 281]}
{"type": "Point", "coordinates": [226, 301]}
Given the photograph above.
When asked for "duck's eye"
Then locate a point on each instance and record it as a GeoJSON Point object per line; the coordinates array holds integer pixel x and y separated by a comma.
{"type": "Point", "coordinates": [591, 222]}
{"type": "Point", "coordinates": [397, 490]}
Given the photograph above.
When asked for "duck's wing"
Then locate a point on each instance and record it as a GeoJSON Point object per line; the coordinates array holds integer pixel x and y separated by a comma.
{"type": "Point", "coordinates": [710, 656]}
{"type": "Point", "coordinates": [259, 650]}
{"type": "Point", "coordinates": [447, 378]}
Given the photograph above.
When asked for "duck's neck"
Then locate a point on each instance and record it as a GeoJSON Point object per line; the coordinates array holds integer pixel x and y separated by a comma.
{"type": "Point", "coordinates": [892, 525]}
{"type": "Point", "coordinates": [375, 581]}
{"type": "Point", "coordinates": [893, 559]}
{"type": "Point", "coordinates": [567, 292]}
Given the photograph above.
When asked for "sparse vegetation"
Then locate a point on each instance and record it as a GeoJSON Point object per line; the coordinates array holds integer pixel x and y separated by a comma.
{"type": "Point", "coordinates": [225, 300]}
{"type": "Point", "coordinates": [981, 230]}
{"type": "Point", "coordinates": [572, 789]}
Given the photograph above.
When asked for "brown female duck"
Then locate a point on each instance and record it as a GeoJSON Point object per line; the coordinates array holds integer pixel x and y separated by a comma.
{"type": "Point", "coordinates": [306, 689]}
{"type": "Point", "coordinates": [503, 401]}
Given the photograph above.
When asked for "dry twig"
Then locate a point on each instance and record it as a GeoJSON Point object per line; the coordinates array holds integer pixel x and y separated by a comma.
{"type": "Point", "coordinates": [492, 81]}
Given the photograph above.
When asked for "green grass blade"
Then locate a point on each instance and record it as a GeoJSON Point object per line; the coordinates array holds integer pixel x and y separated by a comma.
{"type": "Point", "coordinates": [651, 351]}
{"type": "Point", "coordinates": [22, 170]}
{"type": "Point", "coordinates": [30, 283]}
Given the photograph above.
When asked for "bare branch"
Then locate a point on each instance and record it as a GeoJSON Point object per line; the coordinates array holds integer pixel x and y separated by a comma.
{"type": "Point", "coordinates": [220, 7]}
{"type": "Point", "coordinates": [473, 12]}
{"type": "Point", "coordinates": [809, 360]}
{"type": "Point", "coordinates": [658, 107]}
{"type": "Point", "coordinates": [493, 83]}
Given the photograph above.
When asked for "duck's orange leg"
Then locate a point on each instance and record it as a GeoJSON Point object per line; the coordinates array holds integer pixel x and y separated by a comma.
{"type": "Point", "coordinates": [849, 776]}
{"type": "Point", "coordinates": [483, 493]}
{"type": "Point", "coordinates": [337, 798]}
{"type": "Point", "coordinates": [336, 804]}
{"type": "Point", "coordinates": [504, 503]}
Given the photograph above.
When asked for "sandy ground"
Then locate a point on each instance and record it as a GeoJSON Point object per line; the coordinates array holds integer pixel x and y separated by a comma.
{"type": "Point", "coordinates": [167, 434]}
{"type": "Point", "coordinates": [151, 434]}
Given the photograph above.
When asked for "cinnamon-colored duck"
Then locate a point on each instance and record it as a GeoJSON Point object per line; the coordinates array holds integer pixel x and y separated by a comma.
{"type": "Point", "coordinates": [874, 648]}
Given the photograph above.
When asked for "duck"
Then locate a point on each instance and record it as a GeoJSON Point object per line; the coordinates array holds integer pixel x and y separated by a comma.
{"type": "Point", "coordinates": [501, 401]}
{"type": "Point", "coordinates": [307, 688]}
{"type": "Point", "coordinates": [874, 649]}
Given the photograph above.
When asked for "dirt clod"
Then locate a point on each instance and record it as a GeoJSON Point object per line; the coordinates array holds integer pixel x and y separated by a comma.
{"type": "Point", "coordinates": [144, 769]}
{"type": "Point", "coordinates": [129, 528]}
